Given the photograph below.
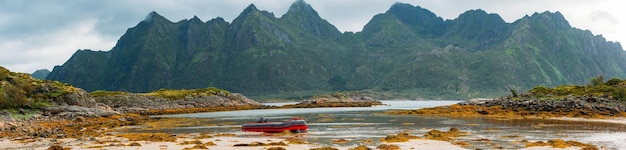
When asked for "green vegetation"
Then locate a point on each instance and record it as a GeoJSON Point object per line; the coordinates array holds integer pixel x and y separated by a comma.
{"type": "Point", "coordinates": [406, 52]}
{"type": "Point", "coordinates": [614, 88]}
{"type": "Point", "coordinates": [102, 93]}
{"type": "Point", "coordinates": [179, 94]}
{"type": "Point", "coordinates": [20, 90]}
{"type": "Point", "coordinates": [168, 93]}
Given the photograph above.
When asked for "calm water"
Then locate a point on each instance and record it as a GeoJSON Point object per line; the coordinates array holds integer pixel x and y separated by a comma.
{"type": "Point", "coordinates": [359, 124]}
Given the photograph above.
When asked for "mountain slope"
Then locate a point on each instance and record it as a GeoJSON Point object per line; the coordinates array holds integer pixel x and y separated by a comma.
{"type": "Point", "coordinates": [407, 48]}
{"type": "Point", "coordinates": [278, 54]}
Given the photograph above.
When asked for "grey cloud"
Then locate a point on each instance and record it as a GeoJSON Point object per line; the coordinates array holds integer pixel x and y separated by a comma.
{"type": "Point", "coordinates": [603, 16]}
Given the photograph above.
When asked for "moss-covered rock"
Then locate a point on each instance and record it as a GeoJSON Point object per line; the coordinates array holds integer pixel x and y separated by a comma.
{"type": "Point", "coordinates": [20, 90]}
{"type": "Point", "coordinates": [172, 101]}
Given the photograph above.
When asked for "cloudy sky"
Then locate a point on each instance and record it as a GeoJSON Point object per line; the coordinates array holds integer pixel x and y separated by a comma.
{"type": "Point", "coordinates": [39, 34]}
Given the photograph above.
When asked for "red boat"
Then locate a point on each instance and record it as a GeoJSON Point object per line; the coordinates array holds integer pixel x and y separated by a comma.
{"type": "Point", "coordinates": [293, 125]}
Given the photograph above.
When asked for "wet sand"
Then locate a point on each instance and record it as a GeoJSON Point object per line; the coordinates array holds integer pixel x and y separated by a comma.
{"type": "Point", "coordinates": [221, 143]}
{"type": "Point", "coordinates": [225, 143]}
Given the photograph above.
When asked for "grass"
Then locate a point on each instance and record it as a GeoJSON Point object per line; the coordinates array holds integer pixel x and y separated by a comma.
{"type": "Point", "coordinates": [614, 89]}
{"type": "Point", "coordinates": [179, 94]}
{"type": "Point", "coordinates": [168, 93]}
{"type": "Point", "coordinates": [28, 113]}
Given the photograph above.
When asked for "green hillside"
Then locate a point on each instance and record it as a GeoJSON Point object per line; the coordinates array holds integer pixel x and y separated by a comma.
{"type": "Point", "coordinates": [407, 52]}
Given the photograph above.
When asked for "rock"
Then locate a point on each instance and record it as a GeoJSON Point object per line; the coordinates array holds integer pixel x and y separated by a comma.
{"type": "Point", "coordinates": [79, 119]}
{"type": "Point", "coordinates": [107, 113]}
{"type": "Point", "coordinates": [483, 112]}
{"type": "Point", "coordinates": [5, 112]}
{"type": "Point", "coordinates": [78, 98]}
{"type": "Point", "coordinates": [121, 119]}
{"type": "Point", "coordinates": [12, 125]}
{"type": "Point", "coordinates": [56, 147]}
{"type": "Point", "coordinates": [137, 103]}
{"type": "Point", "coordinates": [75, 108]}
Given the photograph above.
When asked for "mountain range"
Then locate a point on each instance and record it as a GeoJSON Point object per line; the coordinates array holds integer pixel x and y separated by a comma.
{"type": "Point", "coordinates": [407, 48]}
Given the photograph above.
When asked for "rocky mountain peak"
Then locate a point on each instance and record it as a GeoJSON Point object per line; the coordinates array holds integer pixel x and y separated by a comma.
{"type": "Point", "coordinates": [251, 10]}
{"type": "Point", "coordinates": [154, 17]}
{"type": "Point", "coordinates": [301, 7]}
{"type": "Point", "coordinates": [555, 19]}
{"type": "Point", "coordinates": [303, 15]}
{"type": "Point", "coordinates": [422, 21]}
{"type": "Point", "coordinates": [479, 15]}
{"type": "Point", "coordinates": [411, 14]}
{"type": "Point", "coordinates": [40, 74]}
{"type": "Point", "coordinates": [195, 19]}
{"type": "Point", "coordinates": [485, 30]}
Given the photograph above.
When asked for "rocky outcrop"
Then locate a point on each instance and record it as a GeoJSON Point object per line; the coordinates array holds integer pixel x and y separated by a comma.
{"type": "Point", "coordinates": [353, 99]}
{"type": "Point", "coordinates": [528, 105]}
{"type": "Point", "coordinates": [47, 127]}
{"type": "Point", "coordinates": [133, 103]}
{"type": "Point", "coordinates": [581, 104]}
{"type": "Point", "coordinates": [75, 103]}
{"type": "Point", "coordinates": [72, 111]}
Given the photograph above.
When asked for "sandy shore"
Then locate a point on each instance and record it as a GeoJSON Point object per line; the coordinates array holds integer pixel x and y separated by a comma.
{"type": "Point", "coordinates": [225, 143]}
{"type": "Point", "coordinates": [221, 143]}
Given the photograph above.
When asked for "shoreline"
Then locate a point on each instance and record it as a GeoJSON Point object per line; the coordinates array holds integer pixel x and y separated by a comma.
{"type": "Point", "coordinates": [617, 120]}
{"type": "Point", "coordinates": [227, 142]}
{"type": "Point", "coordinates": [83, 140]}
{"type": "Point", "coordinates": [224, 142]}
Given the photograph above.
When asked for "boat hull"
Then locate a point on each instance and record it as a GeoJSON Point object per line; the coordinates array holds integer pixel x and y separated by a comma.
{"type": "Point", "coordinates": [291, 125]}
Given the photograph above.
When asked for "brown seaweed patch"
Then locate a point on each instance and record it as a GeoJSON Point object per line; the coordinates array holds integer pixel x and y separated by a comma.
{"type": "Point", "coordinates": [324, 148]}
{"type": "Point", "coordinates": [133, 144]}
{"type": "Point", "coordinates": [461, 143]}
{"type": "Point", "coordinates": [341, 141]}
{"type": "Point", "coordinates": [197, 146]}
{"type": "Point", "coordinates": [57, 147]}
{"type": "Point", "coordinates": [296, 141]}
{"type": "Point", "coordinates": [204, 135]}
{"type": "Point", "coordinates": [95, 147]}
{"type": "Point", "coordinates": [444, 136]}
{"type": "Point", "coordinates": [154, 137]}
{"type": "Point", "coordinates": [400, 137]}
{"type": "Point", "coordinates": [360, 147]}
{"type": "Point", "coordinates": [190, 142]}
{"type": "Point", "coordinates": [511, 136]}
{"type": "Point", "coordinates": [165, 123]}
{"type": "Point", "coordinates": [558, 143]}
{"type": "Point", "coordinates": [481, 140]}
{"type": "Point", "coordinates": [367, 141]}
{"type": "Point", "coordinates": [388, 147]}
{"type": "Point", "coordinates": [281, 143]}
{"type": "Point", "coordinates": [276, 148]}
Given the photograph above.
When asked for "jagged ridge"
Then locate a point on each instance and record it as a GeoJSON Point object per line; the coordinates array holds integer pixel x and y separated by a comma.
{"type": "Point", "coordinates": [298, 54]}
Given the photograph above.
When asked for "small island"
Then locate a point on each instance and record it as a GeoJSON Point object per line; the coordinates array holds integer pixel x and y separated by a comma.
{"type": "Point", "coordinates": [597, 100]}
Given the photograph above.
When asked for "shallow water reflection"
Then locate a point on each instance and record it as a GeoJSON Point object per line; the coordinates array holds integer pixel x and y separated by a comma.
{"type": "Point", "coordinates": [368, 125]}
